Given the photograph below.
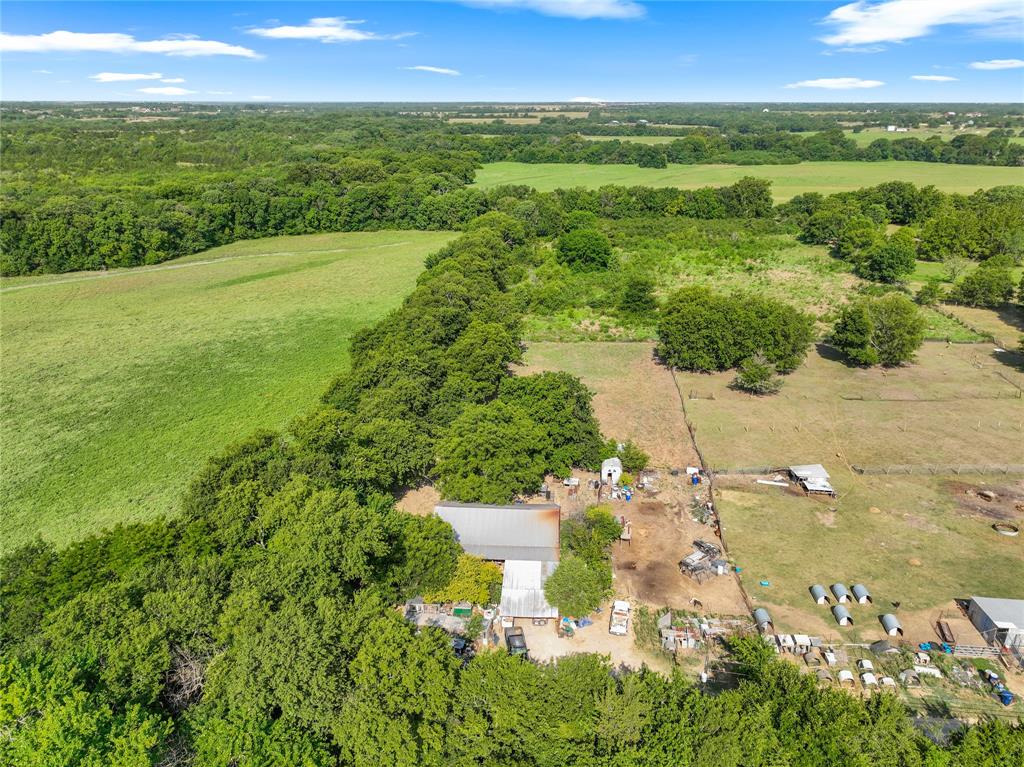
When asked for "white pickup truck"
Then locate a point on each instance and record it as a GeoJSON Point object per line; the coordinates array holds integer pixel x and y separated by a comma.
{"type": "Point", "coordinates": [619, 624]}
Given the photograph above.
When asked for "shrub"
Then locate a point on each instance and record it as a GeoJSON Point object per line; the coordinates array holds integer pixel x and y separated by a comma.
{"type": "Point", "coordinates": [757, 376]}
{"type": "Point", "coordinates": [885, 330]}
{"type": "Point", "coordinates": [633, 459]}
{"type": "Point", "coordinates": [577, 587]}
{"type": "Point", "coordinates": [638, 297]}
{"type": "Point", "coordinates": [704, 331]}
{"type": "Point", "coordinates": [931, 293]}
{"type": "Point", "coordinates": [584, 250]}
{"type": "Point", "coordinates": [475, 581]}
{"type": "Point", "coordinates": [989, 286]}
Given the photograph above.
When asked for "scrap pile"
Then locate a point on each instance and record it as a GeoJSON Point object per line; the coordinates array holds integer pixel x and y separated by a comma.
{"type": "Point", "coordinates": [704, 562]}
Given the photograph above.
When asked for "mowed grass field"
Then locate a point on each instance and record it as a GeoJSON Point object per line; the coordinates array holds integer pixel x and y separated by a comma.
{"type": "Point", "coordinates": [787, 180]}
{"type": "Point", "coordinates": [117, 387]}
{"type": "Point", "coordinates": [866, 136]}
{"type": "Point", "coordinates": [921, 540]}
{"type": "Point", "coordinates": [958, 404]}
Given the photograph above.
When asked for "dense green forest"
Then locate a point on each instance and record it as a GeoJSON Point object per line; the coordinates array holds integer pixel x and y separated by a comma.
{"type": "Point", "coordinates": [257, 627]}
{"type": "Point", "coordinates": [95, 188]}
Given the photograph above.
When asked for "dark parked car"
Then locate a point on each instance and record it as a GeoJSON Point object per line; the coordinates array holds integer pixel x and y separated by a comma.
{"type": "Point", "coordinates": [515, 641]}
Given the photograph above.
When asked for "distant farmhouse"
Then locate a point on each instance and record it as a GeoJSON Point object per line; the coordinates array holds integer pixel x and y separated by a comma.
{"type": "Point", "coordinates": [524, 537]}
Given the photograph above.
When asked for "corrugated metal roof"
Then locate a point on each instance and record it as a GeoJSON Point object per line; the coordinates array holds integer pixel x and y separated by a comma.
{"type": "Point", "coordinates": [1005, 613]}
{"type": "Point", "coordinates": [840, 591]}
{"type": "Point", "coordinates": [525, 531]}
{"type": "Point", "coordinates": [522, 589]}
{"type": "Point", "coordinates": [818, 593]}
{"type": "Point", "coordinates": [860, 591]}
{"type": "Point", "coordinates": [809, 471]}
{"type": "Point", "coordinates": [841, 614]}
{"type": "Point", "coordinates": [891, 623]}
{"type": "Point", "coordinates": [761, 617]}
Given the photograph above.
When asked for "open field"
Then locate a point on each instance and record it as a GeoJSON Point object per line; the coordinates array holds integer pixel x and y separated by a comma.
{"type": "Point", "coordinates": [866, 136]}
{"type": "Point", "coordinates": [919, 541]}
{"type": "Point", "coordinates": [634, 398]}
{"type": "Point", "coordinates": [117, 386]}
{"type": "Point", "coordinates": [926, 413]}
{"type": "Point", "coordinates": [787, 180]}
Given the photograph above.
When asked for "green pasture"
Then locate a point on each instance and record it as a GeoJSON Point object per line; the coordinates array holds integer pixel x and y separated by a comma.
{"type": "Point", "coordinates": [787, 180]}
{"type": "Point", "coordinates": [117, 386]}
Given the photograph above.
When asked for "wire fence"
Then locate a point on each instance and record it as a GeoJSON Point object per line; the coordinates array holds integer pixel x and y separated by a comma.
{"type": "Point", "coordinates": [1009, 469]}
{"type": "Point", "coordinates": [938, 468]}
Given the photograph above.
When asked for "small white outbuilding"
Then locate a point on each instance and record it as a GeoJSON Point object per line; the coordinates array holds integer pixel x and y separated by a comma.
{"type": "Point", "coordinates": [611, 470]}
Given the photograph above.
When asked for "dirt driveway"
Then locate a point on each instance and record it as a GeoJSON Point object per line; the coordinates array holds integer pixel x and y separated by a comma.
{"type": "Point", "coordinates": [544, 644]}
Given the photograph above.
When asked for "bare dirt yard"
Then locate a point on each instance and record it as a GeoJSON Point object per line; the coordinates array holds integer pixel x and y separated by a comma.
{"type": "Point", "coordinates": [634, 397]}
{"type": "Point", "coordinates": [544, 644]}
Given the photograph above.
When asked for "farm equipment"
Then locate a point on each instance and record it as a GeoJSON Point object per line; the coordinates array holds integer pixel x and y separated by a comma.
{"type": "Point", "coordinates": [515, 642]}
{"type": "Point", "coordinates": [703, 562]}
{"type": "Point", "coordinates": [619, 622]}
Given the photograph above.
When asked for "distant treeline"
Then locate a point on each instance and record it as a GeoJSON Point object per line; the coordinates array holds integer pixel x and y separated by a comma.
{"type": "Point", "coordinates": [52, 226]}
{"type": "Point", "coordinates": [102, 193]}
{"type": "Point", "coordinates": [534, 144]}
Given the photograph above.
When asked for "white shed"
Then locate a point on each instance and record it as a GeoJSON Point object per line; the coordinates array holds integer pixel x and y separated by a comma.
{"type": "Point", "coordinates": [611, 470]}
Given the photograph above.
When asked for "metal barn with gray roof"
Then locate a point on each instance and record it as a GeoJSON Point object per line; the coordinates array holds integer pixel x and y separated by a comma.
{"type": "Point", "coordinates": [522, 531]}
{"type": "Point", "coordinates": [1000, 621]}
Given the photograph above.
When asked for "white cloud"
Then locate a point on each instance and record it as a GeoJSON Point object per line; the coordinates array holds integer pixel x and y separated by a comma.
{"type": "Point", "coordinates": [935, 78]}
{"type": "Point", "coordinates": [172, 79]}
{"type": "Point", "coordinates": [435, 70]}
{"type": "Point", "coordinates": [856, 49]}
{"type": "Point", "coordinates": [41, 72]}
{"type": "Point", "coordinates": [115, 42]}
{"type": "Point", "coordinates": [837, 83]}
{"type": "Point", "coordinates": [330, 29]}
{"type": "Point", "coordinates": [574, 9]}
{"type": "Point", "coordinates": [170, 90]}
{"type": "Point", "coordinates": [586, 100]}
{"type": "Point", "coordinates": [998, 64]}
{"type": "Point", "coordinates": [122, 77]}
{"type": "Point", "coordinates": [892, 21]}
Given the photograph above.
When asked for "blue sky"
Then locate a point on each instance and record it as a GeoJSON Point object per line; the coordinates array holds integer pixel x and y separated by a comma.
{"type": "Point", "coordinates": [515, 50]}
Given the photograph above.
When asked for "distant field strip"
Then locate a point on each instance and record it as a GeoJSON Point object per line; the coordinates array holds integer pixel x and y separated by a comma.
{"type": "Point", "coordinates": [181, 263]}
{"type": "Point", "coordinates": [787, 180]}
{"type": "Point", "coordinates": [114, 391]}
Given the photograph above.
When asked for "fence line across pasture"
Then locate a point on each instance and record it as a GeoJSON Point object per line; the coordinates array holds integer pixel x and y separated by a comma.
{"type": "Point", "coordinates": [918, 469]}
{"type": "Point", "coordinates": [938, 468]}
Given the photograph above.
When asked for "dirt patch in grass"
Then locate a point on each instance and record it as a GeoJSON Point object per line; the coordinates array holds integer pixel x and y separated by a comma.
{"type": "Point", "coordinates": [634, 397]}
{"type": "Point", "coordinates": [1006, 503]}
{"type": "Point", "coordinates": [419, 501]}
